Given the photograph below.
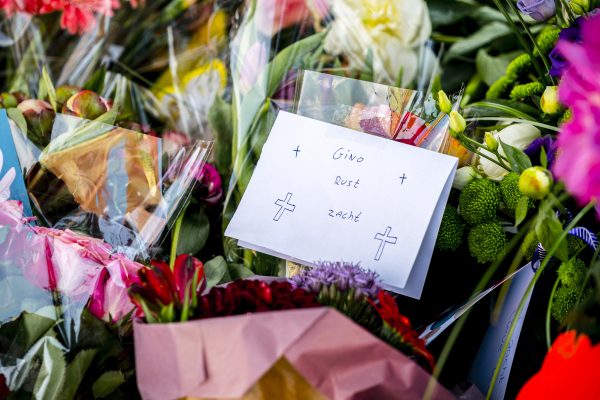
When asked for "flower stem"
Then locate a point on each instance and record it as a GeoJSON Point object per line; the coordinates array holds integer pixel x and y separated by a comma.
{"type": "Point", "coordinates": [175, 239]}
{"type": "Point", "coordinates": [549, 313]}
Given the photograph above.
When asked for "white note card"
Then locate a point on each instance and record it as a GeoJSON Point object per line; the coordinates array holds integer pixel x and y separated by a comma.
{"type": "Point", "coordinates": [321, 192]}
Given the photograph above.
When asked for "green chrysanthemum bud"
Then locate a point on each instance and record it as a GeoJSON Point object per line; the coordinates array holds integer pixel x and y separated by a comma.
{"type": "Point", "coordinates": [526, 90]}
{"type": "Point", "coordinates": [575, 245]}
{"type": "Point", "coordinates": [529, 244]}
{"type": "Point", "coordinates": [479, 201]}
{"type": "Point", "coordinates": [535, 182]}
{"type": "Point", "coordinates": [572, 273]}
{"type": "Point", "coordinates": [444, 102]}
{"type": "Point", "coordinates": [499, 88]}
{"type": "Point", "coordinates": [565, 117]}
{"type": "Point", "coordinates": [519, 66]}
{"type": "Point", "coordinates": [580, 7]}
{"type": "Point", "coordinates": [457, 122]}
{"type": "Point", "coordinates": [549, 101]}
{"type": "Point", "coordinates": [487, 242]}
{"type": "Point", "coordinates": [64, 93]}
{"type": "Point", "coordinates": [451, 231]}
{"type": "Point", "coordinates": [547, 39]}
{"type": "Point", "coordinates": [564, 301]}
{"type": "Point", "coordinates": [509, 189]}
{"type": "Point", "coordinates": [491, 142]}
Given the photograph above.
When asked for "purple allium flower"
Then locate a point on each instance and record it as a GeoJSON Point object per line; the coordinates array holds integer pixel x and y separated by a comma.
{"type": "Point", "coordinates": [550, 146]}
{"type": "Point", "coordinates": [540, 10]}
{"type": "Point", "coordinates": [571, 34]}
{"type": "Point", "coordinates": [341, 275]}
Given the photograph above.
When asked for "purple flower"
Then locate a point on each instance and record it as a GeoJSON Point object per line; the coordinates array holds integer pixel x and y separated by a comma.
{"type": "Point", "coordinates": [210, 185]}
{"type": "Point", "coordinates": [343, 276]}
{"type": "Point", "coordinates": [540, 10]}
{"type": "Point", "coordinates": [550, 146]}
{"type": "Point", "coordinates": [571, 34]}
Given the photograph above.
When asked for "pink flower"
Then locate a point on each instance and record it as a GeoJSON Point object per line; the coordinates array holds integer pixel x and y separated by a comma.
{"type": "Point", "coordinates": [578, 163]}
{"type": "Point", "coordinates": [77, 266]}
{"type": "Point", "coordinates": [210, 184]}
{"type": "Point", "coordinates": [276, 15]}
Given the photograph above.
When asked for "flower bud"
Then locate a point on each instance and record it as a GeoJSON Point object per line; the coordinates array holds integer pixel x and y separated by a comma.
{"type": "Point", "coordinates": [535, 182]}
{"type": "Point", "coordinates": [579, 7]}
{"type": "Point", "coordinates": [549, 101]}
{"type": "Point", "coordinates": [210, 185]}
{"type": "Point", "coordinates": [86, 104]}
{"type": "Point", "coordinates": [8, 100]}
{"type": "Point", "coordinates": [464, 176]}
{"type": "Point", "coordinates": [444, 102]}
{"type": "Point", "coordinates": [64, 93]}
{"type": "Point", "coordinates": [491, 142]}
{"type": "Point", "coordinates": [457, 122]}
{"type": "Point", "coordinates": [20, 96]}
{"type": "Point", "coordinates": [39, 116]}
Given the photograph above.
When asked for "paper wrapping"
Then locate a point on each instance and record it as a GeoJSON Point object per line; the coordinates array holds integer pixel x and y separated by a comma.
{"type": "Point", "coordinates": [226, 357]}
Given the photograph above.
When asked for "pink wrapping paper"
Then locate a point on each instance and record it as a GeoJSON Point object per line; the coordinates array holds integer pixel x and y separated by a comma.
{"type": "Point", "coordinates": [225, 357]}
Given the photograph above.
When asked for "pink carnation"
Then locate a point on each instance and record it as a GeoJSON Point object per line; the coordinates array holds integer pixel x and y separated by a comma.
{"type": "Point", "coordinates": [578, 163]}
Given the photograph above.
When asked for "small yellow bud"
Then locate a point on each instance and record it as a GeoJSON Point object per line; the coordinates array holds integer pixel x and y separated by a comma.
{"type": "Point", "coordinates": [444, 102]}
{"type": "Point", "coordinates": [579, 7]}
{"type": "Point", "coordinates": [535, 182]}
{"type": "Point", "coordinates": [457, 122]}
{"type": "Point", "coordinates": [549, 101]}
{"type": "Point", "coordinates": [491, 142]}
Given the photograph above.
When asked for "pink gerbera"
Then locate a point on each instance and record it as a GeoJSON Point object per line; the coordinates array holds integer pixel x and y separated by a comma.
{"type": "Point", "coordinates": [578, 164]}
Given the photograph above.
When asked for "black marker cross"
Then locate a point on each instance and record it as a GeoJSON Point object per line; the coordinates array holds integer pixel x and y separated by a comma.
{"type": "Point", "coordinates": [283, 207]}
{"type": "Point", "coordinates": [385, 238]}
{"type": "Point", "coordinates": [297, 150]}
{"type": "Point", "coordinates": [403, 177]}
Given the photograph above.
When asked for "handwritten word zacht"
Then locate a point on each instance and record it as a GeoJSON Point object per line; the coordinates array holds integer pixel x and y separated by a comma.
{"type": "Point", "coordinates": [344, 215]}
{"type": "Point", "coordinates": [346, 154]}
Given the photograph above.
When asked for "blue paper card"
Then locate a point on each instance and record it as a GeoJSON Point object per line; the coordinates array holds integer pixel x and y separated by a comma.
{"type": "Point", "coordinates": [12, 184]}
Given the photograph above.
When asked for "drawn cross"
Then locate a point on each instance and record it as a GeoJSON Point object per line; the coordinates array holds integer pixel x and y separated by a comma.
{"type": "Point", "coordinates": [297, 150]}
{"type": "Point", "coordinates": [403, 177]}
{"type": "Point", "coordinates": [283, 207]}
{"type": "Point", "coordinates": [385, 238]}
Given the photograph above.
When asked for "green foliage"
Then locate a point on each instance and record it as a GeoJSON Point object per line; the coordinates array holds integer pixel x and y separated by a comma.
{"type": "Point", "coordinates": [218, 271]}
{"type": "Point", "coordinates": [479, 201]}
{"type": "Point", "coordinates": [487, 242]}
{"type": "Point", "coordinates": [574, 245]}
{"type": "Point", "coordinates": [195, 228]}
{"type": "Point", "coordinates": [219, 119]}
{"type": "Point", "coordinates": [107, 383]}
{"type": "Point", "coordinates": [499, 88]}
{"type": "Point", "coordinates": [451, 230]}
{"type": "Point", "coordinates": [526, 90]}
{"type": "Point", "coordinates": [572, 273]}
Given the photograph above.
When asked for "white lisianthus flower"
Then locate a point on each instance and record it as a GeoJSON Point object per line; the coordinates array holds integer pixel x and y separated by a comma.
{"type": "Point", "coordinates": [392, 30]}
{"type": "Point", "coordinates": [464, 176]}
{"type": "Point", "coordinates": [516, 135]}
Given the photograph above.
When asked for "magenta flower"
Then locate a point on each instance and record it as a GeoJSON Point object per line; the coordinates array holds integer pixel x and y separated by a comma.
{"type": "Point", "coordinates": [210, 185]}
{"type": "Point", "coordinates": [578, 163]}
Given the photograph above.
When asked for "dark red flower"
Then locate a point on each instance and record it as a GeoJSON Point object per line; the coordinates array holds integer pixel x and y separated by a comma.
{"type": "Point", "coordinates": [570, 371]}
{"type": "Point", "coordinates": [4, 390]}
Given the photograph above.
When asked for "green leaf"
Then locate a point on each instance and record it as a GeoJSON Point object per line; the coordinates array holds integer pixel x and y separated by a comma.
{"type": "Point", "coordinates": [367, 73]}
{"type": "Point", "coordinates": [50, 380]}
{"type": "Point", "coordinates": [548, 230]}
{"type": "Point", "coordinates": [107, 383]}
{"type": "Point", "coordinates": [216, 272]}
{"type": "Point", "coordinates": [521, 211]}
{"type": "Point", "coordinates": [444, 12]}
{"type": "Point", "coordinates": [238, 271]}
{"type": "Point", "coordinates": [220, 121]}
{"type": "Point", "coordinates": [289, 57]}
{"type": "Point", "coordinates": [17, 116]}
{"type": "Point", "coordinates": [46, 88]}
{"type": "Point", "coordinates": [519, 161]}
{"type": "Point", "coordinates": [75, 372]}
{"type": "Point", "coordinates": [482, 37]}
{"type": "Point", "coordinates": [491, 68]}
{"type": "Point", "coordinates": [96, 81]}
{"type": "Point", "coordinates": [499, 108]}
{"type": "Point", "coordinates": [543, 158]}
{"type": "Point", "coordinates": [195, 228]}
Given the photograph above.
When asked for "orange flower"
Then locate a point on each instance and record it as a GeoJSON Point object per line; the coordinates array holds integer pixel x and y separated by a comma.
{"type": "Point", "coordinates": [570, 371]}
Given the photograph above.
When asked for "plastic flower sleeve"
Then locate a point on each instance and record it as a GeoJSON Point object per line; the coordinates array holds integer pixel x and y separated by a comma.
{"type": "Point", "coordinates": [58, 289]}
{"type": "Point", "coordinates": [109, 182]}
{"type": "Point", "coordinates": [403, 115]}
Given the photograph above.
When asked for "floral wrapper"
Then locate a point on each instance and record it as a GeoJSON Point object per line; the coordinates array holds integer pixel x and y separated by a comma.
{"type": "Point", "coordinates": [404, 115]}
{"type": "Point", "coordinates": [108, 182]}
{"type": "Point", "coordinates": [58, 291]}
{"type": "Point", "coordinates": [234, 357]}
